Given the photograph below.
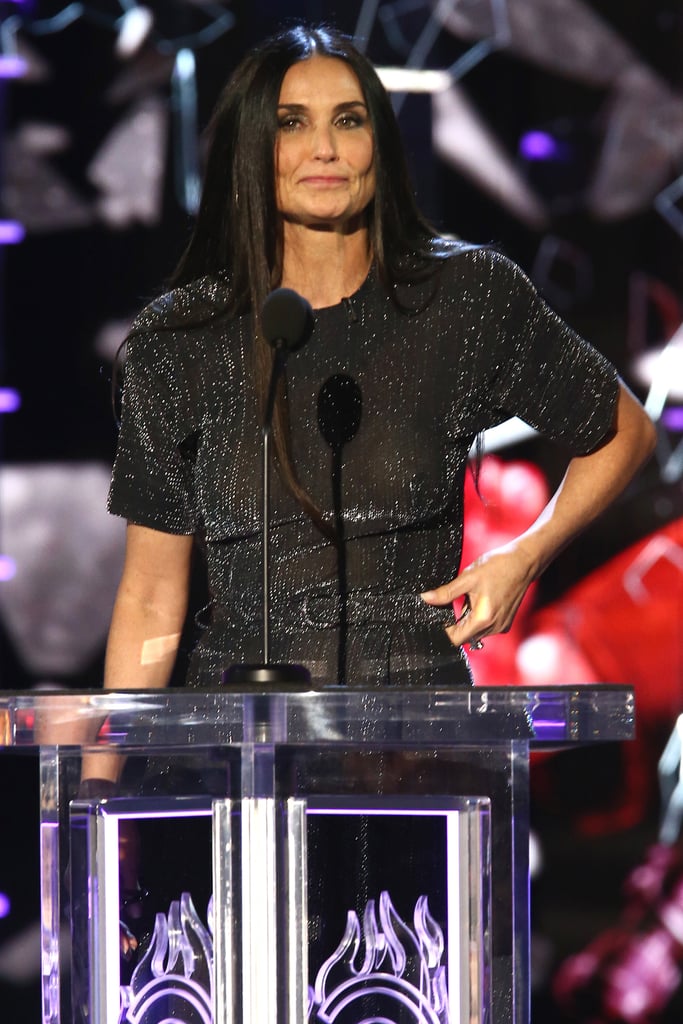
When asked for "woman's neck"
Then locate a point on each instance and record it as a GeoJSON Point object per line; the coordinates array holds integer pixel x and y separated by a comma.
{"type": "Point", "coordinates": [323, 266]}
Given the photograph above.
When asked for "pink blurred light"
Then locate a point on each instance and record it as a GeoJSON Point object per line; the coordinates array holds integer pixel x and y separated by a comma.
{"type": "Point", "coordinates": [11, 231]}
{"type": "Point", "coordinates": [538, 145]}
{"type": "Point", "coordinates": [10, 400]}
{"type": "Point", "coordinates": [12, 66]}
{"type": "Point", "coordinates": [8, 568]}
{"type": "Point", "coordinates": [673, 418]}
{"type": "Point", "coordinates": [5, 905]}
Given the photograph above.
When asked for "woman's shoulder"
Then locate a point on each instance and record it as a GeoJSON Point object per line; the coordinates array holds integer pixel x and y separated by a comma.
{"type": "Point", "coordinates": [186, 306]}
{"type": "Point", "coordinates": [459, 255]}
{"type": "Point", "coordinates": [482, 267]}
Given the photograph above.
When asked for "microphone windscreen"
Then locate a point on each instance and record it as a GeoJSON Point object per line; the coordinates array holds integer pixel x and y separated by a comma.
{"type": "Point", "coordinates": [340, 407]}
{"type": "Point", "coordinates": [286, 319]}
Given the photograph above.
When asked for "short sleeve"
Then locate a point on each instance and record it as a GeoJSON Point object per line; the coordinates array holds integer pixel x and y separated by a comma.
{"type": "Point", "coordinates": [153, 476]}
{"type": "Point", "coordinates": [544, 372]}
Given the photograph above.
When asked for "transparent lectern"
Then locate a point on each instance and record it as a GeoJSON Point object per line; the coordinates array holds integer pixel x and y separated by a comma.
{"type": "Point", "coordinates": [286, 858]}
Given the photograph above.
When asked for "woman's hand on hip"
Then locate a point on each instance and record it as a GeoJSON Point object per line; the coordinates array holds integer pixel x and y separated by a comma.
{"type": "Point", "coordinates": [486, 595]}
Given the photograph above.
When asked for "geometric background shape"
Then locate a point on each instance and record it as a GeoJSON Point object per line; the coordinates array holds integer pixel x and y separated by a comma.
{"type": "Point", "coordinates": [68, 553]}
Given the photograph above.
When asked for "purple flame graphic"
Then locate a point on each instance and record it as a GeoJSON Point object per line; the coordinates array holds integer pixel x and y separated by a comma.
{"type": "Point", "coordinates": [174, 980]}
{"type": "Point", "coordinates": [401, 969]}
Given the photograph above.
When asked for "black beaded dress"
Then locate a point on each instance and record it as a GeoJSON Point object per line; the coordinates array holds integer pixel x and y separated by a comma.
{"type": "Point", "coordinates": [420, 381]}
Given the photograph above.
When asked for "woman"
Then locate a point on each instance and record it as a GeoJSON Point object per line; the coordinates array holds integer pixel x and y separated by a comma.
{"type": "Point", "coordinates": [423, 342]}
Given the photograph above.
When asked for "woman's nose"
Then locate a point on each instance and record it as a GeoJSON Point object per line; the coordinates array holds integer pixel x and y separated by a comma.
{"type": "Point", "coordinates": [324, 145]}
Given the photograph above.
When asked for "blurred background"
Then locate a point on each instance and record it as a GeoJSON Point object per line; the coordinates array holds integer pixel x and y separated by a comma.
{"type": "Point", "coordinates": [552, 129]}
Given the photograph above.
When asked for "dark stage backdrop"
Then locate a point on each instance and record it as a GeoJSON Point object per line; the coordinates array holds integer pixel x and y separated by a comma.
{"type": "Point", "coordinates": [555, 133]}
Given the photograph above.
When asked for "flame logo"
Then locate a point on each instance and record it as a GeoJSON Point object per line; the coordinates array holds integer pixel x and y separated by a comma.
{"type": "Point", "coordinates": [173, 983]}
{"type": "Point", "coordinates": [401, 970]}
{"type": "Point", "coordinates": [400, 974]}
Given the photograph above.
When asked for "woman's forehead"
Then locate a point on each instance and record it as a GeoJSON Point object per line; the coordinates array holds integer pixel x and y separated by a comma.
{"type": "Point", "coordinates": [320, 77]}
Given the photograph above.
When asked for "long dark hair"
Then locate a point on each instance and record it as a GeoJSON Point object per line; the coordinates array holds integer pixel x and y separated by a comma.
{"type": "Point", "coordinates": [238, 231]}
{"type": "Point", "coordinates": [237, 227]}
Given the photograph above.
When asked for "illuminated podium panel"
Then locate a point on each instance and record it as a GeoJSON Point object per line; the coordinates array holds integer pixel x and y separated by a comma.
{"type": "Point", "coordinates": [287, 858]}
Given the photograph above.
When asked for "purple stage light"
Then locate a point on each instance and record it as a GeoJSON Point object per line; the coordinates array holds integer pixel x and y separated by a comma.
{"type": "Point", "coordinates": [538, 145]}
{"type": "Point", "coordinates": [673, 418]}
{"type": "Point", "coordinates": [12, 66]}
{"type": "Point", "coordinates": [10, 400]}
{"type": "Point", "coordinates": [5, 905]}
{"type": "Point", "coordinates": [11, 232]}
{"type": "Point", "coordinates": [8, 568]}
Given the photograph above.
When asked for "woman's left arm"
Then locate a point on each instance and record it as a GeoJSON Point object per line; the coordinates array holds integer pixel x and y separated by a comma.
{"type": "Point", "coordinates": [496, 582]}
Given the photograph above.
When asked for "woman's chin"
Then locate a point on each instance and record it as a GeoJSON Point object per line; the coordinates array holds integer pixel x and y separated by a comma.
{"type": "Point", "coordinates": [332, 220]}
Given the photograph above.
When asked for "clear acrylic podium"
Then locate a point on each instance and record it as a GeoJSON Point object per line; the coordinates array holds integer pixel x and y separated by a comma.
{"type": "Point", "coordinates": [283, 858]}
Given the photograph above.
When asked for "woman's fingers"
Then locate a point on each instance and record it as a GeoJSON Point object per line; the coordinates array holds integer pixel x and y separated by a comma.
{"type": "Point", "coordinates": [470, 624]}
{"type": "Point", "coordinates": [470, 621]}
{"type": "Point", "coordinates": [491, 590]}
{"type": "Point", "coordinates": [448, 592]}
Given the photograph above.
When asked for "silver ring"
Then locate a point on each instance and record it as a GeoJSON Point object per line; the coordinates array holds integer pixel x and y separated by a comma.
{"type": "Point", "coordinates": [476, 645]}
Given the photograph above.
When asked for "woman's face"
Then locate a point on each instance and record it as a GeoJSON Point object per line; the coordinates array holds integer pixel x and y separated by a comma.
{"type": "Point", "coordinates": [324, 153]}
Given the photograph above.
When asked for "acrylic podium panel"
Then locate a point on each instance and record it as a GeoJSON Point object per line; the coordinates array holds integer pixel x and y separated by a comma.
{"type": "Point", "coordinates": [338, 856]}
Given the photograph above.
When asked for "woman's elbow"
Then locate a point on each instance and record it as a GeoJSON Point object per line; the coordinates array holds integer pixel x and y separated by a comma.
{"type": "Point", "coordinates": [636, 428]}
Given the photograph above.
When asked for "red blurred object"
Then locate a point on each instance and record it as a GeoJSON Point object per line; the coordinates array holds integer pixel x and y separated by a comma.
{"type": "Point", "coordinates": [626, 618]}
{"type": "Point", "coordinates": [630, 972]}
{"type": "Point", "coordinates": [511, 496]}
{"type": "Point", "coordinates": [621, 624]}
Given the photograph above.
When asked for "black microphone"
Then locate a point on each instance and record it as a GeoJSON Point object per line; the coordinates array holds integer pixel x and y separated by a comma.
{"type": "Point", "coordinates": [340, 407]}
{"type": "Point", "coordinates": [286, 319]}
{"type": "Point", "coordinates": [287, 324]}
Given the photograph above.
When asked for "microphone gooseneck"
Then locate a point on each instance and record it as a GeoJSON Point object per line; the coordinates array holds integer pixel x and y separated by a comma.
{"type": "Point", "coordinates": [287, 324]}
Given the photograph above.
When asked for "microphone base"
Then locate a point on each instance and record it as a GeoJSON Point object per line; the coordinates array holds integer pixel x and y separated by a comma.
{"type": "Point", "coordinates": [266, 677]}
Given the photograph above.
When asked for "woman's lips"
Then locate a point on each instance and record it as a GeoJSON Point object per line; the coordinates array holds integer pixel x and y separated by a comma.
{"type": "Point", "coordinates": [321, 181]}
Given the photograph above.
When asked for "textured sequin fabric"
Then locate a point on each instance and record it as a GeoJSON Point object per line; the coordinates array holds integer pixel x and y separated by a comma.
{"type": "Point", "coordinates": [419, 386]}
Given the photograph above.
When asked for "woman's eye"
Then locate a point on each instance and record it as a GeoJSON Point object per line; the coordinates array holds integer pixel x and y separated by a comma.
{"type": "Point", "coordinates": [288, 124]}
{"type": "Point", "coordinates": [349, 120]}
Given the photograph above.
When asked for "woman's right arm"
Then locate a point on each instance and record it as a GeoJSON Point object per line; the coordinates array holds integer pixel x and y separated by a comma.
{"type": "Point", "coordinates": [147, 622]}
{"type": "Point", "coordinates": [149, 611]}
